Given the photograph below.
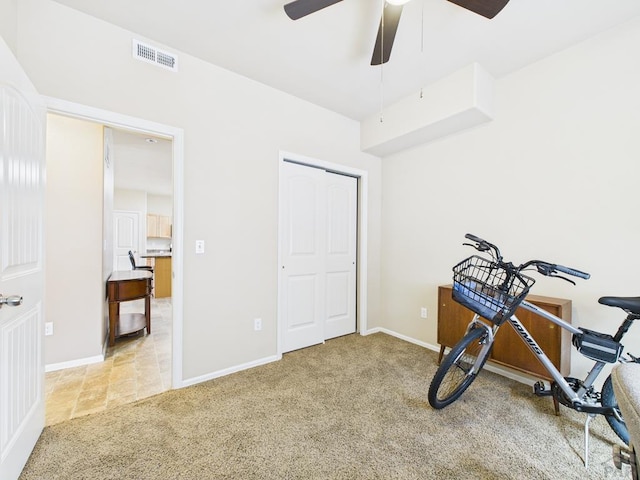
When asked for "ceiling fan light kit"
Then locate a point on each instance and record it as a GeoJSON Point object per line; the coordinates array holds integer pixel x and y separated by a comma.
{"type": "Point", "coordinates": [390, 18]}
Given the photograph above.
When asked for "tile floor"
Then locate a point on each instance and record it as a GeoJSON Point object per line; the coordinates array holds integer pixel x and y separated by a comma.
{"type": "Point", "coordinates": [135, 367]}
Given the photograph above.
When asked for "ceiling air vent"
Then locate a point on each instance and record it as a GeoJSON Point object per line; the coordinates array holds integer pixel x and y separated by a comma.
{"type": "Point", "coordinates": [149, 54]}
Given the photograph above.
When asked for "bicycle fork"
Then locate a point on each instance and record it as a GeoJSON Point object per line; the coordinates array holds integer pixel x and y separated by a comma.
{"type": "Point", "coordinates": [486, 345]}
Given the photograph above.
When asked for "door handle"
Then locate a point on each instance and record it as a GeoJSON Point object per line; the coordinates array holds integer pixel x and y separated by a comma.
{"type": "Point", "coordinates": [10, 301]}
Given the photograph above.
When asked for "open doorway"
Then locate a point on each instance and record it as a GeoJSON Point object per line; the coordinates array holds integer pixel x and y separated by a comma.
{"type": "Point", "coordinates": [162, 367]}
{"type": "Point", "coordinates": [138, 365]}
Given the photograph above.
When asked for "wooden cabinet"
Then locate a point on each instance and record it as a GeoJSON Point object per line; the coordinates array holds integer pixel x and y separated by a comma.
{"type": "Point", "coordinates": [158, 226]}
{"type": "Point", "coordinates": [162, 277]}
{"type": "Point", "coordinates": [164, 226]}
{"type": "Point", "coordinates": [509, 349]}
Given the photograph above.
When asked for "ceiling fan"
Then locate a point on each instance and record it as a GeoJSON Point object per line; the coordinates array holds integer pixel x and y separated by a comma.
{"type": "Point", "coordinates": [390, 18]}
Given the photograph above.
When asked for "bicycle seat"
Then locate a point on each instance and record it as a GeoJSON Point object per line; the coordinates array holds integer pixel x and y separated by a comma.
{"type": "Point", "coordinates": [629, 304]}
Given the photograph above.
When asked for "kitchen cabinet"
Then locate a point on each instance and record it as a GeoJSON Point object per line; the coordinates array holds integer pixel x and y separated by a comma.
{"type": "Point", "coordinates": [509, 349]}
{"type": "Point", "coordinates": [162, 276]}
{"type": "Point", "coordinates": [158, 226]}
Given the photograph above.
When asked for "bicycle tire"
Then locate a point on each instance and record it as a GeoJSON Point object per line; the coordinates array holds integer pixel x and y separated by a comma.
{"type": "Point", "coordinates": [608, 399]}
{"type": "Point", "coordinates": [452, 377]}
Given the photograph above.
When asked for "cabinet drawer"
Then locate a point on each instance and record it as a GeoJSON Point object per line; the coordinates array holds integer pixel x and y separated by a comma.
{"type": "Point", "coordinates": [130, 290]}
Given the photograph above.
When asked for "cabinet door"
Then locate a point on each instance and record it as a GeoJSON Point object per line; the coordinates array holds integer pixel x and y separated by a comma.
{"type": "Point", "coordinates": [162, 273]}
{"type": "Point", "coordinates": [152, 225]}
{"type": "Point", "coordinates": [453, 318]}
{"type": "Point", "coordinates": [510, 350]}
{"type": "Point", "coordinates": [164, 226]}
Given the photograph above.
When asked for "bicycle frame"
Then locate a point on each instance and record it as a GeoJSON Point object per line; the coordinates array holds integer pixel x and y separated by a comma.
{"type": "Point", "coordinates": [485, 286]}
{"type": "Point", "coordinates": [576, 397]}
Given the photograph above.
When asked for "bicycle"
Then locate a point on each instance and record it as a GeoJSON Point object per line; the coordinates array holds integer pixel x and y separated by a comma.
{"type": "Point", "coordinates": [493, 289]}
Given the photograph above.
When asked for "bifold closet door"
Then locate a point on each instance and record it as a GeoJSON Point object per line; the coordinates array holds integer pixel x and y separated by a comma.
{"type": "Point", "coordinates": [340, 254]}
{"type": "Point", "coordinates": [318, 245]}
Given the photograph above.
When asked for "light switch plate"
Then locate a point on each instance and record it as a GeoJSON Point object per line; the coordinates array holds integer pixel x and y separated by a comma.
{"type": "Point", "coordinates": [199, 246]}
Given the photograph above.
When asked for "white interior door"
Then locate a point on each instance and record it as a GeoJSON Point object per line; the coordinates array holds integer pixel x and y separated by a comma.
{"type": "Point", "coordinates": [341, 254]}
{"type": "Point", "coordinates": [126, 228]}
{"type": "Point", "coordinates": [318, 251]}
{"type": "Point", "coordinates": [22, 126]}
{"type": "Point", "coordinates": [302, 269]}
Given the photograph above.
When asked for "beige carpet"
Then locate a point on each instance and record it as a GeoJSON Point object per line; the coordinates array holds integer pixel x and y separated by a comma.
{"type": "Point", "coordinates": [354, 408]}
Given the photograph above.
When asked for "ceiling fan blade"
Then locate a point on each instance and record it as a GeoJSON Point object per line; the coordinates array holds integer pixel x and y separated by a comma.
{"type": "Point", "coordinates": [301, 8]}
{"type": "Point", "coordinates": [486, 8]}
{"type": "Point", "coordinates": [386, 33]}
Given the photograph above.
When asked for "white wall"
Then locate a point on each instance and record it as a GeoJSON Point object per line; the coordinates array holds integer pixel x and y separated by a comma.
{"type": "Point", "coordinates": [160, 205]}
{"type": "Point", "coordinates": [74, 288]}
{"type": "Point", "coordinates": [554, 177]}
{"type": "Point", "coordinates": [133, 200]}
{"type": "Point", "coordinates": [234, 129]}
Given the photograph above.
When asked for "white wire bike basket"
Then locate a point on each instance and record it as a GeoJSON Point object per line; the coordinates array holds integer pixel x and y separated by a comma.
{"type": "Point", "coordinates": [488, 289]}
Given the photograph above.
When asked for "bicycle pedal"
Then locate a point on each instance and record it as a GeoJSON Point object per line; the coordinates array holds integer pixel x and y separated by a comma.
{"type": "Point", "coordinates": [621, 456]}
{"type": "Point", "coordinates": [540, 390]}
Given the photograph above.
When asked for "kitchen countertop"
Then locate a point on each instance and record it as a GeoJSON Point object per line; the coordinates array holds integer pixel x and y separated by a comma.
{"type": "Point", "coordinates": [156, 254]}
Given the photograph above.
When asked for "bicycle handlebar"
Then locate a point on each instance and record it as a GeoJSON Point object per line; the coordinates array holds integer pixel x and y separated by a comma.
{"type": "Point", "coordinates": [545, 268]}
{"type": "Point", "coordinates": [572, 271]}
{"type": "Point", "coordinates": [473, 238]}
{"type": "Point", "coordinates": [482, 245]}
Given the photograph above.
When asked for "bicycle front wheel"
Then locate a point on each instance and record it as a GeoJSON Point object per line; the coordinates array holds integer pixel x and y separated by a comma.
{"type": "Point", "coordinates": [453, 376]}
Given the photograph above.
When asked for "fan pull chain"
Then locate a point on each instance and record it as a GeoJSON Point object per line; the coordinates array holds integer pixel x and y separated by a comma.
{"type": "Point", "coordinates": [422, 31]}
{"type": "Point", "coordinates": [381, 92]}
{"type": "Point", "coordinates": [382, 63]}
{"type": "Point", "coordinates": [422, 39]}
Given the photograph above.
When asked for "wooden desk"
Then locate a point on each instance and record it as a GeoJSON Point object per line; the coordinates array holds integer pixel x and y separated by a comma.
{"type": "Point", "coordinates": [508, 349]}
{"type": "Point", "coordinates": [123, 287]}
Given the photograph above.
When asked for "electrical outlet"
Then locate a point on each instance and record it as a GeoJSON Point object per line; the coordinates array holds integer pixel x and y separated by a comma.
{"type": "Point", "coordinates": [48, 328]}
{"type": "Point", "coordinates": [423, 312]}
{"type": "Point", "coordinates": [257, 324]}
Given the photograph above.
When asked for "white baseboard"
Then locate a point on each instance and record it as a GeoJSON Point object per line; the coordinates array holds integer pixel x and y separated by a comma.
{"type": "Point", "coordinates": [505, 372]}
{"type": "Point", "coordinates": [435, 348]}
{"type": "Point", "coordinates": [52, 367]}
{"type": "Point", "coordinates": [228, 371]}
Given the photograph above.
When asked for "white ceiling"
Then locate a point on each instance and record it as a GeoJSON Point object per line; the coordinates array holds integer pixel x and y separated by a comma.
{"type": "Point", "coordinates": [324, 57]}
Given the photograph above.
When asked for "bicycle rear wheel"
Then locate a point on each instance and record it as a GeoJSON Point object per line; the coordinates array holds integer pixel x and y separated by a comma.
{"type": "Point", "coordinates": [453, 376]}
{"type": "Point", "coordinates": [608, 399]}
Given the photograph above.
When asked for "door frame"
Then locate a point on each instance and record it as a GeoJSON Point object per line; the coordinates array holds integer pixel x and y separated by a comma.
{"type": "Point", "coordinates": [121, 121]}
{"type": "Point", "coordinates": [362, 239]}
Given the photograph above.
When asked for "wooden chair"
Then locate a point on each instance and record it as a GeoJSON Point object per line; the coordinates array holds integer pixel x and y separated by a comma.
{"type": "Point", "coordinates": [132, 259]}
